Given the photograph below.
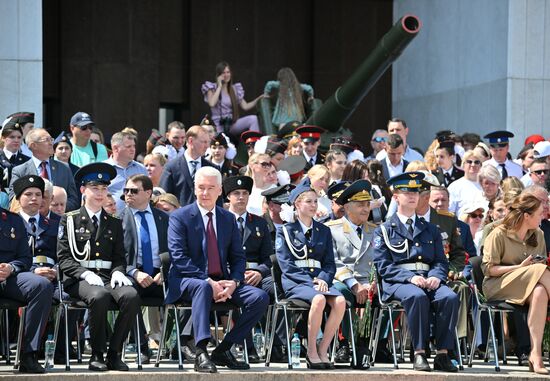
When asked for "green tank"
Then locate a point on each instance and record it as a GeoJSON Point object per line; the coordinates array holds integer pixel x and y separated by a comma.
{"type": "Point", "coordinates": [338, 108]}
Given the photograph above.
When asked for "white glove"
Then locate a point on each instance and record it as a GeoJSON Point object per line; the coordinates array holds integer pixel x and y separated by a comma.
{"type": "Point", "coordinates": [92, 279]}
{"type": "Point", "coordinates": [287, 213]}
{"type": "Point", "coordinates": [120, 279]}
{"type": "Point", "coordinates": [231, 150]}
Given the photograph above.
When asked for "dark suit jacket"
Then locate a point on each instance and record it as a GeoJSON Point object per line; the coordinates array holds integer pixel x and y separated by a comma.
{"type": "Point", "coordinates": [385, 170]}
{"type": "Point", "coordinates": [319, 160]}
{"type": "Point", "coordinates": [188, 251]}
{"type": "Point", "coordinates": [107, 243]}
{"type": "Point", "coordinates": [14, 242]}
{"type": "Point", "coordinates": [456, 174]}
{"type": "Point", "coordinates": [257, 243]}
{"type": "Point", "coordinates": [448, 224]}
{"type": "Point", "coordinates": [61, 176]}
{"type": "Point", "coordinates": [7, 166]}
{"type": "Point", "coordinates": [177, 180]}
{"type": "Point", "coordinates": [45, 243]}
{"type": "Point", "coordinates": [131, 238]}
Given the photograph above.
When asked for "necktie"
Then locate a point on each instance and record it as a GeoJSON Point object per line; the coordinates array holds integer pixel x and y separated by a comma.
{"type": "Point", "coordinates": [44, 170]}
{"type": "Point", "coordinates": [95, 222]}
{"type": "Point", "coordinates": [146, 248]}
{"type": "Point", "coordinates": [240, 221]}
{"type": "Point", "coordinates": [32, 223]}
{"type": "Point", "coordinates": [504, 171]}
{"type": "Point", "coordinates": [359, 231]}
{"type": "Point", "coordinates": [410, 226]}
{"type": "Point", "coordinates": [194, 164]}
{"type": "Point", "coordinates": [214, 265]}
{"type": "Point", "coordinates": [13, 159]}
{"type": "Point", "coordinates": [308, 234]}
{"type": "Point", "coordinates": [311, 162]}
{"type": "Point", "coordinates": [447, 177]}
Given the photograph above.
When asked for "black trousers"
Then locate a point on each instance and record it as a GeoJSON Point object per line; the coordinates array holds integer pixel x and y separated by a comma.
{"type": "Point", "coordinates": [99, 299]}
{"type": "Point", "coordinates": [153, 291]}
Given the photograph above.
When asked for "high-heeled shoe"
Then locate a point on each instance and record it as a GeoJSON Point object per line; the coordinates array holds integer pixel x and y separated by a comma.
{"type": "Point", "coordinates": [314, 365]}
{"type": "Point", "coordinates": [532, 368]}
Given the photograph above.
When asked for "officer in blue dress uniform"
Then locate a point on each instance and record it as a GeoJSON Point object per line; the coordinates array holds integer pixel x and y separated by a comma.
{"type": "Point", "coordinates": [42, 232]}
{"type": "Point", "coordinates": [16, 282]}
{"type": "Point", "coordinates": [408, 254]}
{"type": "Point", "coordinates": [306, 257]}
{"type": "Point", "coordinates": [92, 258]}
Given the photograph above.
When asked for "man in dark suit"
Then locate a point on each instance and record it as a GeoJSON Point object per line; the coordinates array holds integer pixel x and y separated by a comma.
{"type": "Point", "coordinates": [394, 164]}
{"type": "Point", "coordinates": [92, 258]}
{"type": "Point", "coordinates": [144, 239]}
{"type": "Point", "coordinates": [178, 175]}
{"type": "Point", "coordinates": [208, 265]}
{"type": "Point", "coordinates": [11, 155]}
{"type": "Point", "coordinates": [41, 145]}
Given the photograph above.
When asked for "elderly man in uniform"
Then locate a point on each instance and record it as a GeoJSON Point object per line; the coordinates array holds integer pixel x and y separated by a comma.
{"type": "Point", "coordinates": [16, 282]}
{"type": "Point", "coordinates": [29, 192]}
{"type": "Point", "coordinates": [409, 256]}
{"type": "Point", "coordinates": [351, 238]}
{"type": "Point", "coordinates": [92, 259]}
{"type": "Point", "coordinates": [275, 197]}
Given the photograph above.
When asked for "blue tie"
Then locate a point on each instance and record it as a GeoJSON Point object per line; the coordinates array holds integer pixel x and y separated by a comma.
{"type": "Point", "coordinates": [146, 249]}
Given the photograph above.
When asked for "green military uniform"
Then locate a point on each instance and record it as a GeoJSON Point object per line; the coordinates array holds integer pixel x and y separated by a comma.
{"type": "Point", "coordinates": [454, 251]}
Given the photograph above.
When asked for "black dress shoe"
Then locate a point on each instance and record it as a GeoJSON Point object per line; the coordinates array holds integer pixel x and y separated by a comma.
{"type": "Point", "coordinates": [114, 362]}
{"type": "Point", "coordinates": [227, 359]}
{"type": "Point", "coordinates": [315, 365]}
{"type": "Point", "coordinates": [203, 364]}
{"type": "Point", "coordinates": [253, 356]}
{"type": "Point", "coordinates": [421, 363]}
{"type": "Point", "coordinates": [188, 353]}
{"type": "Point", "coordinates": [278, 354]}
{"type": "Point", "coordinates": [523, 359]}
{"type": "Point", "coordinates": [342, 355]}
{"type": "Point", "coordinates": [443, 362]}
{"type": "Point", "coordinates": [97, 363]}
{"type": "Point", "coordinates": [29, 364]}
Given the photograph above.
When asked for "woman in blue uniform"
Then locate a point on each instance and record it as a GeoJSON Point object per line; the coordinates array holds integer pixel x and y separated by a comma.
{"type": "Point", "coordinates": [305, 254]}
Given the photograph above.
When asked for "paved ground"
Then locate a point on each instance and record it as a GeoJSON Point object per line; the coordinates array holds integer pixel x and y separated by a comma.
{"type": "Point", "coordinates": [168, 371]}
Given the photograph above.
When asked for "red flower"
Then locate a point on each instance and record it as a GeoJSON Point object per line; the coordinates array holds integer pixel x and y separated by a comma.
{"type": "Point", "coordinates": [4, 216]}
{"type": "Point", "coordinates": [467, 258]}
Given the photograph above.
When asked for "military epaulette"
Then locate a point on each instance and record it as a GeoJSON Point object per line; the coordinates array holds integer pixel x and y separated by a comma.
{"type": "Point", "coordinates": [72, 213]}
{"type": "Point", "coordinates": [10, 212]}
{"type": "Point", "coordinates": [370, 225]}
{"type": "Point", "coordinates": [334, 222]}
{"type": "Point", "coordinates": [445, 213]}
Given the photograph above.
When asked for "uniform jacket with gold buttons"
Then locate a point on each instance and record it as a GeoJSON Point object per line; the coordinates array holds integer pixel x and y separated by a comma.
{"type": "Point", "coordinates": [107, 244]}
{"type": "Point", "coordinates": [257, 243]}
{"type": "Point", "coordinates": [425, 246]}
{"type": "Point", "coordinates": [14, 244]}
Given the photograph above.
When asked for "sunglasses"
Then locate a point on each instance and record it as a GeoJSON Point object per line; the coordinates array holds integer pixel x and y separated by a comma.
{"type": "Point", "coordinates": [86, 127]}
{"type": "Point", "coordinates": [379, 139]}
{"type": "Point", "coordinates": [473, 162]}
{"type": "Point", "coordinates": [540, 172]}
{"type": "Point", "coordinates": [265, 164]}
{"type": "Point", "coordinates": [476, 215]}
{"type": "Point", "coordinates": [131, 190]}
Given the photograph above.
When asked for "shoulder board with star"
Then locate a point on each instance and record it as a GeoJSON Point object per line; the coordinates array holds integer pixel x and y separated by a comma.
{"type": "Point", "coordinates": [445, 213]}
{"type": "Point", "coordinates": [73, 213]}
{"type": "Point", "coordinates": [334, 222]}
{"type": "Point", "coordinates": [370, 225]}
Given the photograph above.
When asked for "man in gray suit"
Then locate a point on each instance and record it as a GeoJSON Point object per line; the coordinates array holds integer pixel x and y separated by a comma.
{"type": "Point", "coordinates": [352, 237]}
{"type": "Point", "coordinates": [145, 238]}
{"type": "Point", "coordinates": [42, 164]}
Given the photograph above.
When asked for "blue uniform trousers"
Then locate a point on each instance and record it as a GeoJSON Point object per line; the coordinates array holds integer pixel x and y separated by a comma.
{"type": "Point", "coordinates": [37, 292]}
{"type": "Point", "coordinates": [417, 301]}
{"type": "Point", "coordinates": [252, 300]}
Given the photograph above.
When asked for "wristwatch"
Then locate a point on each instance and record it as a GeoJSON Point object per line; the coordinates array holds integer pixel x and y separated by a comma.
{"type": "Point", "coordinates": [237, 282]}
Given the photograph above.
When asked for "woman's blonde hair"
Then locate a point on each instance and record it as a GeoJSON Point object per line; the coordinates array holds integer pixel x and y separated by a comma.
{"type": "Point", "coordinates": [429, 157]}
{"type": "Point", "coordinates": [416, 165]}
{"type": "Point", "coordinates": [318, 171]}
{"type": "Point", "coordinates": [295, 141]}
{"type": "Point", "coordinates": [512, 184]}
{"type": "Point", "coordinates": [255, 159]}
